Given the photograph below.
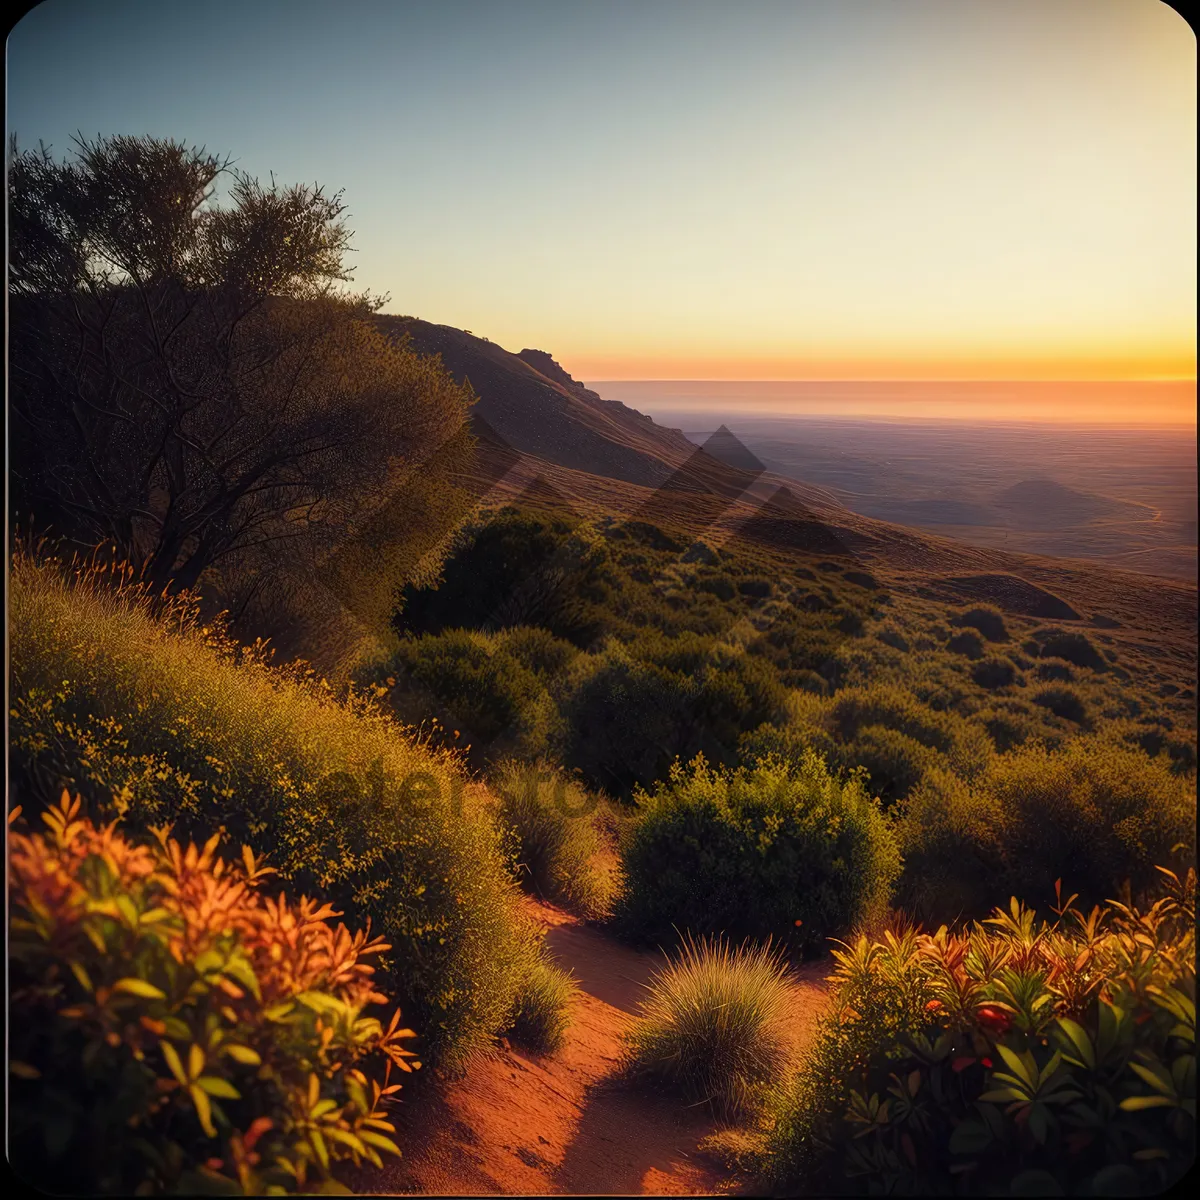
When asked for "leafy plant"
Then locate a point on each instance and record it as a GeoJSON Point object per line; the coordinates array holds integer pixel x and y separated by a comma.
{"type": "Point", "coordinates": [1019, 1055]}
{"type": "Point", "coordinates": [157, 717]}
{"type": "Point", "coordinates": [174, 1028]}
{"type": "Point", "coordinates": [778, 850]}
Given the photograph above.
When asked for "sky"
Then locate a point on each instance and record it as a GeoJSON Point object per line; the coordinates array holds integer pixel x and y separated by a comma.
{"type": "Point", "coordinates": [654, 189]}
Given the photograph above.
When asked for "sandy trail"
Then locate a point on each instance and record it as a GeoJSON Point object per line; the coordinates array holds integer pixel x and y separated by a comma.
{"type": "Point", "coordinates": [564, 1124]}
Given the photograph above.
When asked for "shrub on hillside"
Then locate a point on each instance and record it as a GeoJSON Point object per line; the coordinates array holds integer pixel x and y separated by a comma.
{"type": "Point", "coordinates": [553, 823]}
{"type": "Point", "coordinates": [714, 1025]}
{"type": "Point", "coordinates": [643, 705]}
{"type": "Point", "coordinates": [1009, 727]}
{"type": "Point", "coordinates": [1063, 702]}
{"type": "Point", "coordinates": [539, 651]}
{"type": "Point", "coordinates": [157, 718]}
{"type": "Point", "coordinates": [994, 673]}
{"type": "Point", "coordinates": [1071, 645]}
{"type": "Point", "coordinates": [967, 643]}
{"type": "Point", "coordinates": [1093, 812]}
{"type": "Point", "coordinates": [965, 747]}
{"type": "Point", "coordinates": [1180, 749]}
{"type": "Point", "coordinates": [477, 687]}
{"type": "Point", "coordinates": [894, 762]}
{"type": "Point", "coordinates": [174, 1029]}
{"type": "Point", "coordinates": [542, 1014]}
{"type": "Point", "coordinates": [517, 568]}
{"type": "Point", "coordinates": [1054, 670]}
{"type": "Point", "coordinates": [987, 620]}
{"type": "Point", "coordinates": [1017, 1057]}
{"type": "Point", "coordinates": [767, 850]}
{"type": "Point", "coordinates": [787, 743]}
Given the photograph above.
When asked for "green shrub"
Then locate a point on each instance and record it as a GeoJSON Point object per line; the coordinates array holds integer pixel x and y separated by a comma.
{"type": "Point", "coordinates": [987, 620]}
{"type": "Point", "coordinates": [1063, 702]}
{"type": "Point", "coordinates": [155, 718]}
{"type": "Point", "coordinates": [894, 708]}
{"type": "Point", "coordinates": [1071, 645]}
{"type": "Point", "coordinates": [968, 643]}
{"type": "Point", "coordinates": [474, 686]}
{"type": "Point", "coordinates": [626, 720]}
{"type": "Point", "coordinates": [951, 841]}
{"type": "Point", "coordinates": [1180, 749]}
{"type": "Point", "coordinates": [1054, 670]}
{"type": "Point", "coordinates": [539, 651]}
{"type": "Point", "coordinates": [175, 1030]}
{"type": "Point", "coordinates": [994, 673]}
{"type": "Point", "coordinates": [1009, 727]}
{"type": "Point", "coordinates": [788, 743]}
{"type": "Point", "coordinates": [517, 568]}
{"type": "Point", "coordinates": [768, 850]}
{"type": "Point", "coordinates": [1020, 1057]}
{"type": "Point", "coordinates": [1093, 813]}
{"type": "Point", "coordinates": [965, 746]}
{"type": "Point", "coordinates": [894, 762]}
{"type": "Point", "coordinates": [714, 1025]}
{"type": "Point", "coordinates": [553, 823]}
{"type": "Point", "coordinates": [542, 1013]}
{"type": "Point", "coordinates": [644, 705]}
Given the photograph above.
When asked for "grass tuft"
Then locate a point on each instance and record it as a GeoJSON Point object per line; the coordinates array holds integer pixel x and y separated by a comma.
{"type": "Point", "coordinates": [714, 1024]}
{"type": "Point", "coordinates": [554, 824]}
{"type": "Point", "coordinates": [542, 1013]}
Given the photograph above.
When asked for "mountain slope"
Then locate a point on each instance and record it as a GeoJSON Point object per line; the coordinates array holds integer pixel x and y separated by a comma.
{"type": "Point", "coordinates": [530, 403]}
{"type": "Point", "coordinates": [542, 432]}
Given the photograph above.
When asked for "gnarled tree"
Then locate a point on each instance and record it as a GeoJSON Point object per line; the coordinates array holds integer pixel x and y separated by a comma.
{"type": "Point", "coordinates": [195, 383]}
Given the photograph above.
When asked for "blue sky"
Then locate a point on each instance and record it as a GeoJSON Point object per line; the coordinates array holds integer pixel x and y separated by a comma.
{"type": "Point", "coordinates": [851, 188]}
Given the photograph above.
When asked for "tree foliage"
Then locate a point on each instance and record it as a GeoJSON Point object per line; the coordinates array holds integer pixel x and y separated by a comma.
{"type": "Point", "coordinates": [192, 381]}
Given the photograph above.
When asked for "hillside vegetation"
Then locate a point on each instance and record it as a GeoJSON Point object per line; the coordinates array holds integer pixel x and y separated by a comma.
{"type": "Point", "coordinates": [155, 717]}
{"type": "Point", "coordinates": [678, 730]}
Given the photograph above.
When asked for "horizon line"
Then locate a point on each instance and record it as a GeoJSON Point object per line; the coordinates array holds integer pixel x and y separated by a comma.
{"type": "Point", "coordinates": [889, 379]}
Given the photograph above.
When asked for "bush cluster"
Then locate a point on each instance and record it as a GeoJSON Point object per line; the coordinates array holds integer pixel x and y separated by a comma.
{"type": "Point", "coordinates": [152, 716]}
{"type": "Point", "coordinates": [1097, 813]}
{"type": "Point", "coordinates": [556, 836]}
{"type": "Point", "coordinates": [1015, 1057]}
{"type": "Point", "coordinates": [172, 1028]}
{"type": "Point", "coordinates": [778, 850]}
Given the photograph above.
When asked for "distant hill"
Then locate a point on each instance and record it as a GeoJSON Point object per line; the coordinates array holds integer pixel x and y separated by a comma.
{"type": "Point", "coordinates": [546, 439]}
{"type": "Point", "coordinates": [1047, 504]}
{"type": "Point", "coordinates": [530, 403]}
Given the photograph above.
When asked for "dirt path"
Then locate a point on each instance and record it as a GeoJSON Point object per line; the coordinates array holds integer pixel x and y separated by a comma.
{"type": "Point", "coordinates": [522, 1124]}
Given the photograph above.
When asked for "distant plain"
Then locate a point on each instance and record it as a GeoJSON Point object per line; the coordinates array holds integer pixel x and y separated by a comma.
{"type": "Point", "coordinates": [1120, 493]}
